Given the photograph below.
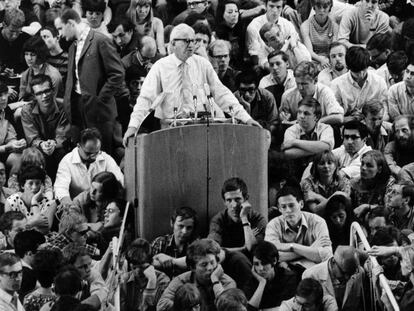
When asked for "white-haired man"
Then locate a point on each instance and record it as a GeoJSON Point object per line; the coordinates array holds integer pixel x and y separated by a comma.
{"type": "Point", "coordinates": [180, 76]}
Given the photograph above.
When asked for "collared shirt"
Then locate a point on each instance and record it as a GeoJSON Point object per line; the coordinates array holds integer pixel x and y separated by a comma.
{"type": "Point", "coordinates": [327, 75]}
{"type": "Point", "coordinates": [6, 303]}
{"type": "Point", "coordinates": [263, 108]}
{"type": "Point", "coordinates": [400, 101]}
{"type": "Point", "coordinates": [384, 73]}
{"type": "Point", "coordinates": [268, 80]}
{"type": "Point", "coordinates": [354, 29]}
{"type": "Point", "coordinates": [321, 132]}
{"type": "Point", "coordinates": [312, 228]}
{"type": "Point", "coordinates": [404, 222]}
{"type": "Point", "coordinates": [38, 128]}
{"type": "Point", "coordinates": [256, 45]}
{"type": "Point", "coordinates": [339, 183]}
{"type": "Point", "coordinates": [352, 97]}
{"type": "Point", "coordinates": [79, 47]}
{"type": "Point", "coordinates": [7, 131]}
{"type": "Point", "coordinates": [165, 78]}
{"type": "Point", "coordinates": [231, 234]}
{"type": "Point", "coordinates": [73, 177]}
{"type": "Point", "coordinates": [323, 95]}
{"type": "Point", "coordinates": [350, 165]}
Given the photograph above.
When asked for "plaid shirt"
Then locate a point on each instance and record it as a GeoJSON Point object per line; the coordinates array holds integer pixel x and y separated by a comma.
{"type": "Point", "coordinates": [56, 240]}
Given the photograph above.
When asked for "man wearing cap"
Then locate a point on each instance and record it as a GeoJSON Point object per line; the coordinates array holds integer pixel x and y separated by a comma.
{"type": "Point", "coordinates": [341, 277]}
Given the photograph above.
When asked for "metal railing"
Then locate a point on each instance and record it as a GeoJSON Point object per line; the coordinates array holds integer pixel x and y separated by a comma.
{"type": "Point", "coordinates": [357, 232]}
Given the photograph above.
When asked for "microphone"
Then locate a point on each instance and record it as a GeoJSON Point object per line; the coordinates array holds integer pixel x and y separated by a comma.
{"type": "Point", "coordinates": [195, 101]}
{"type": "Point", "coordinates": [175, 117]}
{"type": "Point", "coordinates": [233, 121]}
{"type": "Point", "coordinates": [210, 99]}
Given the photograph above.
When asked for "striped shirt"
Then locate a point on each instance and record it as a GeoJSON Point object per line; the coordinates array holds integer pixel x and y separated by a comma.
{"type": "Point", "coordinates": [60, 62]}
{"type": "Point", "coordinates": [400, 101]}
{"type": "Point", "coordinates": [321, 36]}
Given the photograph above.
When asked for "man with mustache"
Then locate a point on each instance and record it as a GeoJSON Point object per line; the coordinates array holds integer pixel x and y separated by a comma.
{"type": "Point", "coordinates": [337, 52]}
{"type": "Point", "coordinates": [400, 152]}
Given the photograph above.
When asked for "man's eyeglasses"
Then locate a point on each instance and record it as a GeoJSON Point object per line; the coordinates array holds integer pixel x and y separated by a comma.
{"type": "Point", "coordinates": [221, 56]}
{"type": "Point", "coordinates": [13, 274]}
{"type": "Point", "coordinates": [187, 41]}
{"type": "Point", "coordinates": [247, 89]}
{"type": "Point", "coordinates": [353, 137]}
{"type": "Point", "coordinates": [83, 232]}
{"type": "Point", "coordinates": [322, 5]}
{"type": "Point", "coordinates": [44, 92]}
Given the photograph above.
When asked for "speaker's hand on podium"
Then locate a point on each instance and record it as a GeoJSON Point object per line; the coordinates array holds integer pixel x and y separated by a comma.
{"type": "Point", "coordinates": [253, 123]}
{"type": "Point", "coordinates": [129, 132]}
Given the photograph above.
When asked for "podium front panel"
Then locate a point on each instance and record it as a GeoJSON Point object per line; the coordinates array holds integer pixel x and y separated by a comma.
{"type": "Point", "coordinates": [186, 166]}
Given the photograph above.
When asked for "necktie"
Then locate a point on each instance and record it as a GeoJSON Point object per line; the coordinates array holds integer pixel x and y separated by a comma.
{"type": "Point", "coordinates": [186, 91]}
{"type": "Point", "coordinates": [14, 301]}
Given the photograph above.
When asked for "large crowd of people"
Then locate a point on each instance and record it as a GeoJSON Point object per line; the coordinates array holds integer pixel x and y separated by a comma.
{"type": "Point", "coordinates": [333, 83]}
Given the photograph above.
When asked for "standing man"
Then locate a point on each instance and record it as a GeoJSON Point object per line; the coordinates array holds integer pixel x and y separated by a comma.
{"type": "Point", "coordinates": [10, 281]}
{"type": "Point", "coordinates": [176, 76]}
{"type": "Point", "coordinates": [95, 73]}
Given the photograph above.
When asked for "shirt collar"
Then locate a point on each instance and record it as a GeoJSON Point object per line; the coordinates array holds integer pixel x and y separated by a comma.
{"type": "Point", "coordinates": [303, 223]}
{"type": "Point", "coordinates": [25, 264]}
{"type": "Point", "coordinates": [177, 61]}
{"type": "Point", "coordinates": [84, 33]}
{"type": "Point", "coordinates": [77, 160]}
{"type": "Point", "coordinates": [5, 296]}
{"type": "Point", "coordinates": [36, 110]}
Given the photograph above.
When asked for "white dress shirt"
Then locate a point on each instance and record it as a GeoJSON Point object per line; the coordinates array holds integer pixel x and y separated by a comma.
{"type": "Point", "coordinates": [165, 77]}
{"type": "Point", "coordinates": [6, 303]}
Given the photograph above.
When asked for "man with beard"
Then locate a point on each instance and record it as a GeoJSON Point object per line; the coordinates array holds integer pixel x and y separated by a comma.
{"type": "Point", "coordinates": [401, 94]}
{"type": "Point", "coordinates": [10, 281]}
{"type": "Point", "coordinates": [354, 146]}
{"type": "Point", "coordinates": [378, 130]}
{"type": "Point", "coordinates": [78, 167]}
{"type": "Point", "coordinates": [400, 152]}
{"type": "Point", "coordinates": [337, 52]}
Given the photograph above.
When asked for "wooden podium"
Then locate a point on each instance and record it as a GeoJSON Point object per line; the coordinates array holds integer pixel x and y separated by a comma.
{"type": "Point", "coordinates": [186, 166]}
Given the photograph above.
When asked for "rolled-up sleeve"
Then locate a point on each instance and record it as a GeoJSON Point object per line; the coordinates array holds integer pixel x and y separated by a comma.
{"type": "Point", "coordinates": [273, 231]}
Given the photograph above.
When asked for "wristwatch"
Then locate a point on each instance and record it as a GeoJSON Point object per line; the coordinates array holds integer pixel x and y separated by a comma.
{"type": "Point", "coordinates": [291, 247]}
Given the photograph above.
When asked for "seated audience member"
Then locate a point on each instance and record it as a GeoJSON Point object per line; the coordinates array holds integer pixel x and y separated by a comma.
{"type": "Point", "coordinates": [187, 298]}
{"type": "Point", "coordinates": [26, 244]}
{"type": "Point", "coordinates": [372, 189]}
{"type": "Point", "coordinates": [73, 229]}
{"type": "Point", "coordinates": [396, 64]}
{"type": "Point", "coordinates": [46, 264]}
{"type": "Point", "coordinates": [10, 281]}
{"type": "Point", "coordinates": [280, 78]}
{"type": "Point", "coordinates": [402, 207]}
{"type": "Point", "coordinates": [310, 296]}
{"type": "Point", "coordinates": [124, 35]}
{"type": "Point", "coordinates": [32, 156]}
{"type": "Point", "coordinates": [337, 66]}
{"type": "Point", "coordinates": [94, 290]}
{"type": "Point", "coordinates": [256, 47]}
{"type": "Point", "coordinates": [339, 272]}
{"type": "Point", "coordinates": [4, 191]}
{"type": "Point", "coordinates": [308, 137]}
{"type": "Point", "coordinates": [113, 217]}
{"type": "Point", "coordinates": [325, 179]}
{"type": "Point", "coordinates": [379, 131]}
{"type": "Point", "coordinates": [219, 52]}
{"type": "Point", "coordinates": [35, 54]}
{"type": "Point", "coordinates": [406, 174]}
{"type": "Point", "coordinates": [203, 38]}
{"type": "Point", "coordinates": [38, 209]}
{"type": "Point", "coordinates": [400, 95]}
{"type": "Point", "coordinates": [319, 31]}
{"type": "Point", "coordinates": [67, 286]}
{"type": "Point", "coordinates": [301, 238]}
{"type": "Point", "coordinates": [400, 151]}
{"type": "Point", "coordinates": [206, 273]}
{"type": "Point", "coordinates": [379, 47]}
{"type": "Point", "coordinates": [144, 56]}
{"type": "Point", "coordinates": [11, 223]}
{"type": "Point", "coordinates": [57, 57]}
{"type": "Point", "coordinates": [232, 299]}
{"type": "Point", "coordinates": [258, 102]}
{"type": "Point", "coordinates": [238, 226]}
{"type": "Point", "coordinates": [353, 147]}
{"type": "Point", "coordinates": [202, 8]}
{"type": "Point", "coordinates": [360, 23]}
{"type": "Point", "coordinates": [359, 85]}
{"type": "Point", "coordinates": [307, 86]}
{"type": "Point", "coordinates": [269, 284]}
{"type": "Point", "coordinates": [389, 236]}
{"type": "Point", "coordinates": [374, 220]}
{"type": "Point", "coordinates": [11, 41]}
{"type": "Point", "coordinates": [143, 285]}
{"type": "Point", "coordinates": [78, 167]}
{"type": "Point", "coordinates": [169, 251]}
{"type": "Point", "coordinates": [339, 217]}
{"type": "Point", "coordinates": [10, 146]}
{"type": "Point", "coordinates": [45, 125]}
{"type": "Point", "coordinates": [272, 36]}
{"type": "Point", "coordinates": [141, 14]}
{"type": "Point", "coordinates": [94, 15]}
{"type": "Point", "coordinates": [92, 203]}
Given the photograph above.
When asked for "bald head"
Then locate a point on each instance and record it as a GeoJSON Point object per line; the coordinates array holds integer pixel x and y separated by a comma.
{"type": "Point", "coordinates": [148, 47]}
{"type": "Point", "coordinates": [347, 259]}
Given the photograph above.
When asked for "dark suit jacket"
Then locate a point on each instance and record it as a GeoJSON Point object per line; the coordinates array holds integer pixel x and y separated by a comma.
{"type": "Point", "coordinates": [100, 75]}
